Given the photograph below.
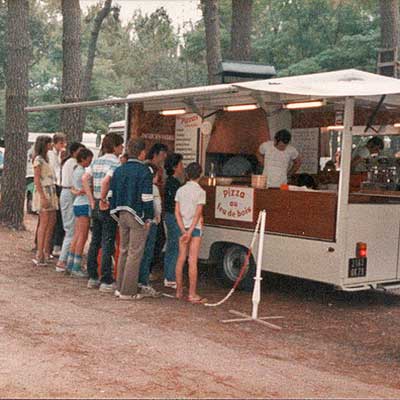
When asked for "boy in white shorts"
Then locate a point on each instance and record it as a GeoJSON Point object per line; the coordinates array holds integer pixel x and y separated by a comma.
{"type": "Point", "coordinates": [190, 200]}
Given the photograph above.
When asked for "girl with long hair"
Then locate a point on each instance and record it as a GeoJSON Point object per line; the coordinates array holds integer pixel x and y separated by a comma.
{"type": "Point", "coordinates": [45, 199]}
{"type": "Point", "coordinates": [83, 204]}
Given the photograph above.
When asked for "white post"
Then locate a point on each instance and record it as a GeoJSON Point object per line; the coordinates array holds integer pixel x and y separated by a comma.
{"type": "Point", "coordinates": [257, 278]}
{"type": "Point", "coordinates": [344, 182]}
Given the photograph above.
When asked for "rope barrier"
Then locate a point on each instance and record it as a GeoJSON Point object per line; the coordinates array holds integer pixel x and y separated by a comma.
{"type": "Point", "coordinates": [242, 269]}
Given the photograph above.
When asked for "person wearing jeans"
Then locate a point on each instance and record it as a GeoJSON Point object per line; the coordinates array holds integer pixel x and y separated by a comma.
{"type": "Point", "coordinates": [132, 205]}
{"type": "Point", "coordinates": [103, 225]}
{"type": "Point", "coordinates": [175, 171]}
{"type": "Point", "coordinates": [148, 255]}
{"type": "Point", "coordinates": [66, 203]}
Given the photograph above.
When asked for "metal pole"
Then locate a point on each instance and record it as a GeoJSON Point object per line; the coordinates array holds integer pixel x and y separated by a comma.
{"type": "Point", "coordinates": [257, 278]}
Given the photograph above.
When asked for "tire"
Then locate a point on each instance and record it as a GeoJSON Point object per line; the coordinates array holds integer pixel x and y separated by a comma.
{"type": "Point", "coordinates": [29, 203]}
{"type": "Point", "coordinates": [229, 267]}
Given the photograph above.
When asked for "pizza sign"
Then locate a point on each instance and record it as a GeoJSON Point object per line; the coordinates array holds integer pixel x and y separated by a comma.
{"type": "Point", "coordinates": [234, 203]}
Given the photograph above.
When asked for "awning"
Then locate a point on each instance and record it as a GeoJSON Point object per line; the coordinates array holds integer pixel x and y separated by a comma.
{"type": "Point", "coordinates": [333, 86]}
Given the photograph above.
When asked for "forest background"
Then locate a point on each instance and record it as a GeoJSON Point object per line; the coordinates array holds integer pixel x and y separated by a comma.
{"type": "Point", "coordinates": [150, 53]}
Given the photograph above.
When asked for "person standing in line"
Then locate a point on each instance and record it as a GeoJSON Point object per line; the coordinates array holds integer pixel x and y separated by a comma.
{"type": "Point", "coordinates": [281, 159]}
{"type": "Point", "coordinates": [83, 203]}
{"type": "Point", "coordinates": [145, 264]}
{"type": "Point", "coordinates": [157, 156]}
{"type": "Point", "coordinates": [132, 206]}
{"type": "Point", "coordinates": [55, 159]}
{"type": "Point", "coordinates": [68, 166]}
{"type": "Point", "coordinates": [175, 171]}
{"type": "Point", "coordinates": [190, 200]}
{"type": "Point", "coordinates": [103, 225]}
{"type": "Point", "coordinates": [45, 199]}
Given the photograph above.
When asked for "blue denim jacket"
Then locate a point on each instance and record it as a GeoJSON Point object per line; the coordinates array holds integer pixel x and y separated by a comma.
{"type": "Point", "coordinates": [132, 190]}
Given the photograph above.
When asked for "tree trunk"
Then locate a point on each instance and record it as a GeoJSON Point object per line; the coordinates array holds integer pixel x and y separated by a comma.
{"type": "Point", "coordinates": [72, 68]}
{"type": "Point", "coordinates": [213, 43]}
{"type": "Point", "coordinates": [16, 124]}
{"type": "Point", "coordinates": [87, 77]}
{"type": "Point", "coordinates": [241, 29]}
{"type": "Point", "coordinates": [389, 12]}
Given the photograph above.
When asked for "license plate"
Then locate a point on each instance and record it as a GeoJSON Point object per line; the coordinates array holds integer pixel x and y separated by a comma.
{"type": "Point", "coordinates": [357, 267]}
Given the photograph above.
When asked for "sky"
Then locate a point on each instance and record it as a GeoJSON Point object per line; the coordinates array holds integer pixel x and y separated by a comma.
{"type": "Point", "coordinates": [180, 11]}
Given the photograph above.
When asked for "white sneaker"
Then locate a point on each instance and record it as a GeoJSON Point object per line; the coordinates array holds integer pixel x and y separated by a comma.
{"type": "Point", "coordinates": [137, 296]}
{"type": "Point", "coordinates": [149, 291]}
{"type": "Point", "coordinates": [107, 287]}
{"type": "Point", "coordinates": [93, 283]}
{"type": "Point", "coordinates": [56, 251]}
{"type": "Point", "coordinates": [169, 284]}
{"type": "Point", "coordinates": [79, 274]}
{"type": "Point", "coordinates": [60, 268]}
{"type": "Point", "coordinates": [117, 293]}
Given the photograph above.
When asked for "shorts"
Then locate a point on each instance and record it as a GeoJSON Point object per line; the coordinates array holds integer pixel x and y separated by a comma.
{"type": "Point", "coordinates": [82, 211]}
{"type": "Point", "coordinates": [197, 232]}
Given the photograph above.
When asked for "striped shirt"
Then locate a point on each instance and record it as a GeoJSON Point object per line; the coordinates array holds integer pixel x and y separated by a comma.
{"type": "Point", "coordinates": [100, 168]}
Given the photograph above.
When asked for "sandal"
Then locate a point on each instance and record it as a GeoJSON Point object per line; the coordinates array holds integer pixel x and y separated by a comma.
{"type": "Point", "coordinates": [197, 300]}
{"type": "Point", "coordinates": [39, 263]}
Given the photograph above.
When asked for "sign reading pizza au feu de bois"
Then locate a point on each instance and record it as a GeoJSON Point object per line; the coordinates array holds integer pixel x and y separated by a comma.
{"type": "Point", "coordinates": [234, 203]}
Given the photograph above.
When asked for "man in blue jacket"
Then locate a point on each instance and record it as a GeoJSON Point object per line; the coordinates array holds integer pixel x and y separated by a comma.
{"type": "Point", "coordinates": [132, 205]}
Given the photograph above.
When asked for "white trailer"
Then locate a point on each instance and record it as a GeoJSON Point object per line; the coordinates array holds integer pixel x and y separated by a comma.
{"type": "Point", "coordinates": [357, 247]}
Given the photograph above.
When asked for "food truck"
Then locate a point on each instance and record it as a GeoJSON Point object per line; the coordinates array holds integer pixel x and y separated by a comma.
{"type": "Point", "coordinates": [347, 232]}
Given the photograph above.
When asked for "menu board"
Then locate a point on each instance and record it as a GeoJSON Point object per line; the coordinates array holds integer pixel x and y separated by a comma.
{"type": "Point", "coordinates": [306, 141]}
{"type": "Point", "coordinates": [187, 136]}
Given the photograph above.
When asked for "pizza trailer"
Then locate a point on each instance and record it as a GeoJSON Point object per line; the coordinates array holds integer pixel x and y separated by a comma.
{"type": "Point", "coordinates": [346, 235]}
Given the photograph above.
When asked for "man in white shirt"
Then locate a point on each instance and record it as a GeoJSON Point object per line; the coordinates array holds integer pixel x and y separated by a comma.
{"type": "Point", "coordinates": [59, 145]}
{"type": "Point", "coordinates": [280, 159]}
{"type": "Point", "coordinates": [363, 153]}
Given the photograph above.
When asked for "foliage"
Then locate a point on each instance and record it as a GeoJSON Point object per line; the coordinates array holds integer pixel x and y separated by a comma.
{"type": "Point", "coordinates": [296, 36]}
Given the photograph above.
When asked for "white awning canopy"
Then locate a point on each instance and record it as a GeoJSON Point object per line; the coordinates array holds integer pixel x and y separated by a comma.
{"type": "Point", "coordinates": [332, 86]}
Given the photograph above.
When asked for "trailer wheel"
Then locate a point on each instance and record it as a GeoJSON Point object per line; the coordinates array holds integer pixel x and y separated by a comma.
{"type": "Point", "coordinates": [229, 267]}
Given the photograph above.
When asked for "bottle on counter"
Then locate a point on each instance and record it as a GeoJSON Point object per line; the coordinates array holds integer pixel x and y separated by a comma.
{"type": "Point", "coordinates": [212, 179]}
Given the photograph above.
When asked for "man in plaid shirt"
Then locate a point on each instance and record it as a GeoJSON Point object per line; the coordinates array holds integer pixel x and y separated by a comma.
{"type": "Point", "coordinates": [103, 225]}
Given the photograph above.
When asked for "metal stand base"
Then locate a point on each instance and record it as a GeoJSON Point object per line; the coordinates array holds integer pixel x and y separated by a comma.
{"type": "Point", "coordinates": [246, 318]}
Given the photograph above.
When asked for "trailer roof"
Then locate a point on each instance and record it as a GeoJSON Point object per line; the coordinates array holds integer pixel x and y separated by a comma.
{"type": "Point", "coordinates": [333, 86]}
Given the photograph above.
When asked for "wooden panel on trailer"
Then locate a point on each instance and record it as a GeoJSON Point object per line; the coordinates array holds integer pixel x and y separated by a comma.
{"type": "Point", "coordinates": [302, 214]}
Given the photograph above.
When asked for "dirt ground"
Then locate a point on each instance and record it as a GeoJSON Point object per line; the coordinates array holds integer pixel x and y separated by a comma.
{"type": "Point", "coordinates": [59, 339]}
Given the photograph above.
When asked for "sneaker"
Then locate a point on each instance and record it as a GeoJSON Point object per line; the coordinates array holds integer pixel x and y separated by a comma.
{"type": "Point", "coordinates": [79, 274]}
{"type": "Point", "coordinates": [107, 287]}
{"type": "Point", "coordinates": [61, 268]}
{"type": "Point", "coordinates": [93, 283]}
{"type": "Point", "coordinates": [137, 296]}
{"type": "Point", "coordinates": [117, 293]}
{"type": "Point", "coordinates": [169, 284]}
{"type": "Point", "coordinates": [149, 291]}
{"type": "Point", "coordinates": [56, 251]}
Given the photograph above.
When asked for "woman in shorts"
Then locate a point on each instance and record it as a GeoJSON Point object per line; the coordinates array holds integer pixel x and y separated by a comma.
{"type": "Point", "coordinates": [45, 200]}
{"type": "Point", "coordinates": [83, 204]}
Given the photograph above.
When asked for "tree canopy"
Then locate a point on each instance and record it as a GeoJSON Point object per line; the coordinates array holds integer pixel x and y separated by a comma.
{"type": "Point", "coordinates": [295, 36]}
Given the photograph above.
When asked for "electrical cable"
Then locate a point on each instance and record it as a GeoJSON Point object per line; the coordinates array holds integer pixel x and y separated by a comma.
{"type": "Point", "coordinates": [242, 269]}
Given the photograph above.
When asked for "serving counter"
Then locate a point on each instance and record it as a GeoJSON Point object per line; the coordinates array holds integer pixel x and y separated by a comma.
{"type": "Point", "coordinates": [307, 214]}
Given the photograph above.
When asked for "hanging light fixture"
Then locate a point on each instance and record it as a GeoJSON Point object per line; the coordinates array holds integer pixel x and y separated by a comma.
{"type": "Point", "coordinates": [304, 104]}
{"type": "Point", "coordinates": [335, 127]}
{"type": "Point", "coordinates": [177, 111]}
{"type": "Point", "coordinates": [241, 107]}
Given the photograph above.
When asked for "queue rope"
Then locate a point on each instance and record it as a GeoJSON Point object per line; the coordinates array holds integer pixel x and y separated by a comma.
{"type": "Point", "coordinates": [242, 269]}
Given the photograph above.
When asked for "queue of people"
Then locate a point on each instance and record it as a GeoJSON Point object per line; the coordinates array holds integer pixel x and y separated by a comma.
{"type": "Point", "coordinates": [118, 194]}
